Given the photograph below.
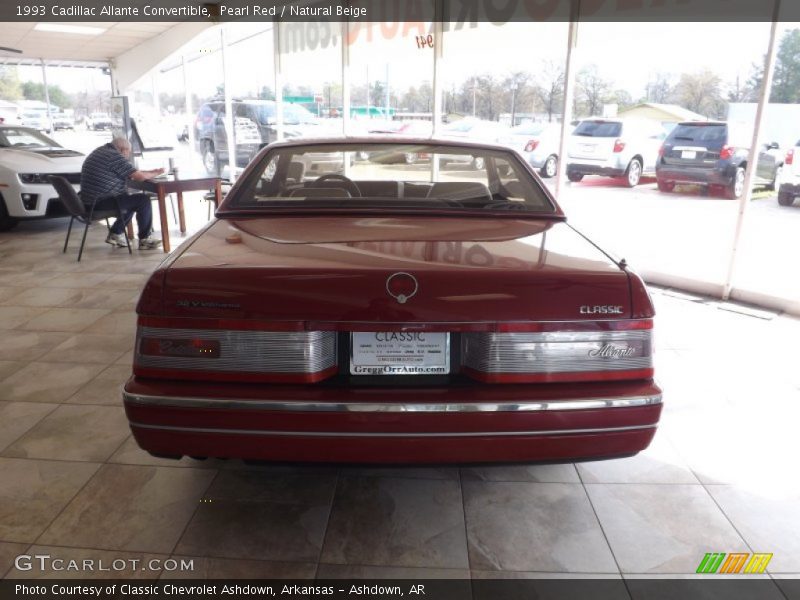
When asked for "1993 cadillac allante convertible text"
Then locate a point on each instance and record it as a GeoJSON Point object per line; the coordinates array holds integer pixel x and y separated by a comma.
{"type": "Point", "coordinates": [437, 312]}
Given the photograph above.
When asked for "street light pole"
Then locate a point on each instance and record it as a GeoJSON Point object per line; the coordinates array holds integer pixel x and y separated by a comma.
{"type": "Point", "coordinates": [514, 88]}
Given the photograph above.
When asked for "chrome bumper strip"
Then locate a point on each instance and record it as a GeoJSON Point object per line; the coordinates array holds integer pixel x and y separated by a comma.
{"type": "Point", "coordinates": [390, 407]}
{"type": "Point", "coordinates": [414, 434]}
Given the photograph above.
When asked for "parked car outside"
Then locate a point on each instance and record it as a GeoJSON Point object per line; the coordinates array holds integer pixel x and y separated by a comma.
{"type": "Point", "coordinates": [430, 317]}
{"type": "Point", "coordinates": [255, 125]}
{"type": "Point", "coordinates": [416, 129]}
{"type": "Point", "coordinates": [27, 159]}
{"type": "Point", "coordinates": [789, 179]}
{"type": "Point", "coordinates": [538, 143]}
{"type": "Point", "coordinates": [62, 121]}
{"type": "Point", "coordinates": [714, 154]}
{"type": "Point", "coordinates": [615, 148]}
{"type": "Point", "coordinates": [99, 121]}
{"type": "Point", "coordinates": [470, 129]}
{"type": "Point", "coordinates": [35, 120]}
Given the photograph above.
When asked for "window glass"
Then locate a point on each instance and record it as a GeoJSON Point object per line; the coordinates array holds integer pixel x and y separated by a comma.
{"type": "Point", "coordinates": [391, 175]}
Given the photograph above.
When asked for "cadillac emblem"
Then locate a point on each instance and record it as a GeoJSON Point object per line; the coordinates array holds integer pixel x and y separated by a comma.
{"type": "Point", "coordinates": [402, 286]}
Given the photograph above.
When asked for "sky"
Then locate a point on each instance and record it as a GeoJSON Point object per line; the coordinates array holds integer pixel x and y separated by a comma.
{"type": "Point", "coordinates": [628, 54]}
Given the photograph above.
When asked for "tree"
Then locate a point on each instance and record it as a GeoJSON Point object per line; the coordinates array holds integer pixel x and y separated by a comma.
{"type": "Point", "coordinates": [10, 88]}
{"type": "Point", "coordinates": [33, 90]}
{"type": "Point", "coordinates": [593, 91]}
{"type": "Point", "coordinates": [622, 98]}
{"type": "Point", "coordinates": [786, 79]}
{"type": "Point", "coordinates": [518, 92]}
{"type": "Point", "coordinates": [659, 89]}
{"type": "Point", "coordinates": [700, 92]}
{"type": "Point", "coordinates": [739, 91]}
{"type": "Point", "coordinates": [551, 88]}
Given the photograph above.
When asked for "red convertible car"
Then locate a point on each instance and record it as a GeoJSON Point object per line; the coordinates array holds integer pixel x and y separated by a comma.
{"type": "Point", "coordinates": [392, 313]}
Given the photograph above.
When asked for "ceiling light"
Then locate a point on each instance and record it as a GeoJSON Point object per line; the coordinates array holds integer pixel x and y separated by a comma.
{"type": "Point", "coordinates": [64, 28]}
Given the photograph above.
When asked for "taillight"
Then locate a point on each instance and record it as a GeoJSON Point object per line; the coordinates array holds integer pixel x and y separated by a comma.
{"type": "Point", "coordinates": [234, 354]}
{"type": "Point", "coordinates": [619, 146]}
{"type": "Point", "coordinates": [531, 145]}
{"type": "Point", "coordinates": [563, 355]}
{"type": "Point", "coordinates": [789, 156]}
{"type": "Point", "coordinates": [726, 152]}
{"type": "Point", "coordinates": [661, 151]}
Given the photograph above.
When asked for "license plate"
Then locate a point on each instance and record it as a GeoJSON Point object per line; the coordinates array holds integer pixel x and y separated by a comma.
{"type": "Point", "coordinates": [688, 154]}
{"type": "Point", "coordinates": [399, 353]}
{"type": "Point", "coordinates": [588, 148]}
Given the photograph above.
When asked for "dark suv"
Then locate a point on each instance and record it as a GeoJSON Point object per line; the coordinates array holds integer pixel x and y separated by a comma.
{"type": "Point", "coordinates": [254, 125]}
{"type": "Point", "coordinates": [714, 153]}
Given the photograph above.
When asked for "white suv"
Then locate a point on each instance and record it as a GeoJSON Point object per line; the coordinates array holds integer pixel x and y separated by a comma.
{"type": "Point", "coordinates": [615, 148]}
{"type": "Point", "coordinates": [27, 159]}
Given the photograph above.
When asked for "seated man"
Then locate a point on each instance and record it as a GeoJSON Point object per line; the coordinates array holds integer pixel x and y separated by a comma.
{"type": "Point", "coordinates": [104, 178]}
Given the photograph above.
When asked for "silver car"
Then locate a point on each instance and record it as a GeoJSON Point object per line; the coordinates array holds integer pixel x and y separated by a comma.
{"type": "Point", "coordinates": [615, 148]}
{"type": "Point", "coordinates": [538, 143]}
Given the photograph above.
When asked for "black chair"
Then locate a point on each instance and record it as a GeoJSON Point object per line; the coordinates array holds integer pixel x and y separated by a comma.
{"type": "Point", "coordinates": [82, 213]}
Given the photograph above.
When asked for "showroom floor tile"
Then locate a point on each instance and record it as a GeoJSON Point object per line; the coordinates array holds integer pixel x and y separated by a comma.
{"type": "Point", "coordinates": [721, 475]}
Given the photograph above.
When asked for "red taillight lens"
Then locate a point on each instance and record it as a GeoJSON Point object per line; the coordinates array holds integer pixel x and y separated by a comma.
{"type": "Point", "coordinates": [726, 152]}
{"type": "Point", "coordinates": [789, 156]}
{"type": "Point", "coordinates": [234, 354]}
{"type": "Point", "coordinates": [619, 146]}
{"type": "Point", "coordinates": [550, 356]}
{"type": "Point", "coordinates": [531, 145]}
{"type": "Point", "coordinates": [661, 151]}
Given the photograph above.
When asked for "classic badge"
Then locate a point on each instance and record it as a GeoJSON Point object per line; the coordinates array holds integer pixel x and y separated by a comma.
{"type": "Point", "coordinates": [402, 286]}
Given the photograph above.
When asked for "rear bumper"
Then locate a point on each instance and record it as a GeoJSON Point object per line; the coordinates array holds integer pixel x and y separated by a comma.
{"type": "Point", "coordinates": [790, 188]}
{"type": "Point", "coordinates": [485, 423]}
{"type": "Point", "coordinates": [608, 168]}
{"type": "Point", "coordinates": [714, 176]}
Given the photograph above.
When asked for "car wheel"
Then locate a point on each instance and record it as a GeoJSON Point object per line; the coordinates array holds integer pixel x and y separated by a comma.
{"type": "Point", "coordinates": [736, 187]}
{"type": "Point", "coordinates": [785, 199]}
{"type": "Point", "coordinates": [6, 222]}
{"type": "Point", "coordinates": [410, 158]}
{"type": "Point", "coordinates": [665, 186]}
{"type": "Point", "coordinates": [776, 180]}
{"type": "Point", "coordinates": [576, 177]}
{"type": "Point", "coordinates": [633, 173]}
{"type": "Point", "coordinates": [210, 161]}
{"type": "Point", "coordinates": [478, 163]}
{"type": "Point", "coordinates": [550, 167]}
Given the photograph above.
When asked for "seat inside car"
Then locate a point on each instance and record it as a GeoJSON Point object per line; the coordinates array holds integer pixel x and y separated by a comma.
{"type": "Point", "coordinates": [472, 192]}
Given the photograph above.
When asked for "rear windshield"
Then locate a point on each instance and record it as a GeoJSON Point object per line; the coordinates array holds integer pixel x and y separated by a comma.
{"type": "Point", "coordinates": [390, 176]}
{"type": "Point", "coordinates": [599, 129]}
{"type": "Point", "coordinates": [714, 134]}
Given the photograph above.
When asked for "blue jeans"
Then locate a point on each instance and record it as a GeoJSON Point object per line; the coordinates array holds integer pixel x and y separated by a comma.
{"type": "Point", "coordinates": [138, 204]}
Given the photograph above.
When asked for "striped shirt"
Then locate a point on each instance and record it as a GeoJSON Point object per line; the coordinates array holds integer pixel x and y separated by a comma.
{"type": "Point", "coordinates": [105, 173]}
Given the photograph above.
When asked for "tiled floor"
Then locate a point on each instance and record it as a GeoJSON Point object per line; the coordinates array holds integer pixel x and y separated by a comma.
{"type": "Point", "coordinates": [721, 476]}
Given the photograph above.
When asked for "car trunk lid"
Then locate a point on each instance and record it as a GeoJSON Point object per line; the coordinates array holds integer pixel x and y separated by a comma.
{"type": "Point", "coordinates": [334, 269]}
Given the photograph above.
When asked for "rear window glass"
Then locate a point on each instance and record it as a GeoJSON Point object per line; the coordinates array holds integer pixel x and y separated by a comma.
{"type": "Point", "coordinates": [700, 133]}
{"type": "Point", "coordinates": [599, 129]}
{"type": "Point", "coordinates": [389, 176]}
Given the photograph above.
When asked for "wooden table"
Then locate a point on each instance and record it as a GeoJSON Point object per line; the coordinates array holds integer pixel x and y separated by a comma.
{"type": "Point", "coordinates": [161, 186]}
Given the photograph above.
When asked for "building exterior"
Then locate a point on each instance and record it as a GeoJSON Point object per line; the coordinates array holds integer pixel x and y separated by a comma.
{"type": "Point", "coordinates": [666, 114]}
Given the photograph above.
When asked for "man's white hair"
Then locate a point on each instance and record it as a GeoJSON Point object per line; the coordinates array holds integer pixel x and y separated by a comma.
{"type": "Point", "coordinates": [121, 143]}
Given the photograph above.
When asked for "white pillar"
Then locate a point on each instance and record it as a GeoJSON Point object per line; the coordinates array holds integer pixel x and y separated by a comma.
{"type": "Point", "coordinates": [752, 158]}
{"type": "Point", "coordinates": [345, 79]}
{"type": "Point", "coordinates": [569, 92]}
{"type": "Point", "coordinates": [46, 95]}
{"type": "Point", "coordinates": [230, 133]}
{"type": "Point", "coordinates": [188, 101]}
{"type": "Point", "coordinates": [277, 55]}
{"type": "Point", "coordinates": [438, 80]}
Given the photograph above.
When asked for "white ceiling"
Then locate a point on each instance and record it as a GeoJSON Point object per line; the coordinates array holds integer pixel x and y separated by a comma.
{"type": "Point", "coordinates": [75, 49]}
